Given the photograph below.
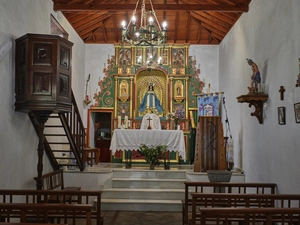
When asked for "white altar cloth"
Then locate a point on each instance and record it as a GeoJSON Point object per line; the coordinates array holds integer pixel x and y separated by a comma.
{"type": "Point", "coordinates": [126, 139]}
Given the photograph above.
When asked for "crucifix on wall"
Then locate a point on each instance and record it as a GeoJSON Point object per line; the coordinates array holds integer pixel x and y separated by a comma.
{"type": "Point", "coordinates": [281, 90]}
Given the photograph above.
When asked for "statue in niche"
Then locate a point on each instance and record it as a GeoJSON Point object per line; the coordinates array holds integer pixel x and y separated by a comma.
{"type": "Point", "coordinates": [150, 102]}
{"type": "Point", "coordinates": [255, 78]}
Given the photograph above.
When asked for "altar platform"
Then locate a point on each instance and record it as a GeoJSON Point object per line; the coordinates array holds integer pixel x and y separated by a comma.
{"type": "Point", "coordinates": [138, 188]}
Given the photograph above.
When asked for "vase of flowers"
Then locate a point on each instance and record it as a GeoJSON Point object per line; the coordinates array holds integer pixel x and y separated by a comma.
{"type": "Point", "coordinates": [153, 155]}
{"type": "Point", "coordinates": [176, 116]}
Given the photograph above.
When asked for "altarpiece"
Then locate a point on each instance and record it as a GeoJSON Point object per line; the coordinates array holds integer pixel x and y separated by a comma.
{"type": "Point", "coordinates": [128, 75]}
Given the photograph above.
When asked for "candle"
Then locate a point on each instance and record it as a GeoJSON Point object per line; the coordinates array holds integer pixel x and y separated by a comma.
{"type": "Point", "coordinates": [126, 122]}
{"type": "Point", "coordinates": [119, 122]}
{"type": "Point", "coordinates": [108, 56]}
{"type": "Point", "coordinates": [104, 65]}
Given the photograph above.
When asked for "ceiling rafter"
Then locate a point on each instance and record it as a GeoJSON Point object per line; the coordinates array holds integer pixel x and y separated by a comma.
{"type": "Point", "coordinates": [189, 21]}
{"type": "Point", "coordinates": [210, 23]}
{"type": "Point", "coordinates": [157, 7]}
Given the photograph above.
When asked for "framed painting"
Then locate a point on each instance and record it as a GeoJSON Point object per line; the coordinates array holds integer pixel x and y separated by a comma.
{"type": "Point", "coordinates": [297, 112]}
{"type": "Point", "coordinates": [139, 55]}
{"type": "Point", "coordinates": [178, 57]}
{"type": "Point", "coordinates": [281, 115]}
{"type": "Point", "coordinates": [125, 57]}
{"type": "Point", "coordinates": [164, 56]}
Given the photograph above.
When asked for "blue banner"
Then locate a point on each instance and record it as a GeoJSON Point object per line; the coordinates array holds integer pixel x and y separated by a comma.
{"type": "Point", "coordinates": [208, 105]}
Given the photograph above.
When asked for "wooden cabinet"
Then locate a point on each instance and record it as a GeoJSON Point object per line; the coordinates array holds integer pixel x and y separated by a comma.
{"type": "Point", "coordinates": [104, 150]}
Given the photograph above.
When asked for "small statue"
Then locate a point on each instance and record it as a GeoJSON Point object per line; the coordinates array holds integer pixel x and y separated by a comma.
{"type": "Point", "coordinates": [255, 78]}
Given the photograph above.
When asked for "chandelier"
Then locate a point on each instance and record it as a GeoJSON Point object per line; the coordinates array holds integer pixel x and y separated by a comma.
{"type": "Point", "coordinates": [148, 34]}
{"type": "Point", "coordinates": [150, 62]}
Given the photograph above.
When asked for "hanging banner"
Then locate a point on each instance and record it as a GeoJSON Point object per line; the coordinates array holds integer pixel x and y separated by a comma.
{"type": "Point", "coordinates": [208, 105]}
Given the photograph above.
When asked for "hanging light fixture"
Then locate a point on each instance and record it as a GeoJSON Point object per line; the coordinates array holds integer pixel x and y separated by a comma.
{"type": "Point", "coordinates": [149, 33]}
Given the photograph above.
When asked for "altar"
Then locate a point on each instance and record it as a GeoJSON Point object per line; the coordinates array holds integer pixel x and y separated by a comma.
{"type": "Point", "coordinates": [131, 139]}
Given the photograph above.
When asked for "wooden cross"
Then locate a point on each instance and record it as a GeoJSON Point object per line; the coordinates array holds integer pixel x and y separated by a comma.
{"type": "Point", "coordinates": [149, 127]}
{"type": "Point", "coordinates": [281, 90]}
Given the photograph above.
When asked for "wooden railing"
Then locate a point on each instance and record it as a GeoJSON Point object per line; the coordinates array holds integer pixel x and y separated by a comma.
{"type": "Point", "coordinates": [75, 131]}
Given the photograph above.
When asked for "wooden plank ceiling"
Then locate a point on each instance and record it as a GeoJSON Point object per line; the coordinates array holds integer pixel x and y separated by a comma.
{"type": "Point", "coordinates": [189, 21]}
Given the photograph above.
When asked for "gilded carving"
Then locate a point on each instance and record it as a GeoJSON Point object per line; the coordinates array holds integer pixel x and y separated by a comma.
{"type": "Point", "coordinates": [178, 91]}
{"type": "Point", "coordinates": [123, 91]}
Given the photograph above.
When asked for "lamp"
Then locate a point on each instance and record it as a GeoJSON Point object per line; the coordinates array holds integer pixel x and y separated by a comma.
{"type": "Point", "coordinates": [148, 34]}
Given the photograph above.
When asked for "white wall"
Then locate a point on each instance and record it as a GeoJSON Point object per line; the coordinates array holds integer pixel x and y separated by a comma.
{"type": "Point", "coordinates": [18, 140]}
{"type": "Point", "coordinates": [268, 34]}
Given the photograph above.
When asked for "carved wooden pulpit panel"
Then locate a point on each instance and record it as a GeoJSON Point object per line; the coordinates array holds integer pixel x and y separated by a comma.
{"type": "Point", "coordinates": [210, 150]}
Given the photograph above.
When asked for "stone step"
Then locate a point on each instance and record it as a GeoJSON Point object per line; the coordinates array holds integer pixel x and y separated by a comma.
{"type": "Point", "coordinates": [138, 193]}
{"type": "Point", "coordinates": [141, 205]}
{"type": "Point", "coordinates": [148, 183]}
{"type": "Point", "coordinates": [148, 174]}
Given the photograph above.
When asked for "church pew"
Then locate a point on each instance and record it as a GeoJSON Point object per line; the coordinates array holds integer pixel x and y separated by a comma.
{"type": "Point", "coordinates": [44, 212]}
{"type": "Point", "coordinates": [215, 187]}
{"type": "Point", "coordinates": [56, 196]}
{"type": "Point", "coordinates": [212, 200]}
{"type": "Point", "coordinates": [266, 216]}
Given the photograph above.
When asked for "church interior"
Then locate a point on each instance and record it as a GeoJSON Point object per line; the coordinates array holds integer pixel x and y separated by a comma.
{"type": "Point", "coordinates": [112, 93]}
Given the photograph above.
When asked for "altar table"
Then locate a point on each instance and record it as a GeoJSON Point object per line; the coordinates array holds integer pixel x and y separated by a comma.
{"type": "Point", "coordinates": [129, 140]}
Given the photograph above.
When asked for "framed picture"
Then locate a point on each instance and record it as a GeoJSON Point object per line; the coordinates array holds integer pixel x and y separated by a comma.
{"type": "Point", "coordinates": [139, 55]}
{"type": "Point", "coordinates": [178, 57]}
{"type": "Point", "coordinates": [164, 56]}
{"type": "Point", "coordinates": [297, 112]}
{"type": "Point", "coordinates": [281, 115]}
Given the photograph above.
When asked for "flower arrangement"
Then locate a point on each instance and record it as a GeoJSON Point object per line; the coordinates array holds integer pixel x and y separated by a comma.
{"type": "Point", "coordinates": [177, 115]}
{"type": "Point", "coordinates": [153, 155]}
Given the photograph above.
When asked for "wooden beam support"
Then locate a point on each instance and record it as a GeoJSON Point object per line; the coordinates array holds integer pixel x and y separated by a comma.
{"type": "Point", "coordinates": [157, 7]}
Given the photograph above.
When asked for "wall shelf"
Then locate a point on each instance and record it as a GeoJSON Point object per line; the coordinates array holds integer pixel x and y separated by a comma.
{"type": "Point", "coordinates": [256, 101]}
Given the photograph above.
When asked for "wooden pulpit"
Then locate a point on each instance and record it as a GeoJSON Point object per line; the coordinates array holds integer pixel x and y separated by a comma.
{"type": "Point", "coordinates": [210, 149]}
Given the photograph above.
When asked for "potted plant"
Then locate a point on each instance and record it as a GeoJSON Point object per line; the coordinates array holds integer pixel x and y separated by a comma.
{"type": "Point", "coordinates": [153, 155]}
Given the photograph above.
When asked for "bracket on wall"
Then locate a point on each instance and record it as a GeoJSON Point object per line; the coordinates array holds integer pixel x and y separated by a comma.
{"type": "Point", "coordinates": [257, 102]}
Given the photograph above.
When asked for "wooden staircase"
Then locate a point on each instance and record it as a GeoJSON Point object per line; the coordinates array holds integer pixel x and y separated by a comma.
{"type": "Point", "coordinates": [64, 138]}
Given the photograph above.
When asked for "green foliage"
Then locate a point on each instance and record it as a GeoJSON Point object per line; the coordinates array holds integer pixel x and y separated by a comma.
{"type": "Point", "coordinates": [153, 155]}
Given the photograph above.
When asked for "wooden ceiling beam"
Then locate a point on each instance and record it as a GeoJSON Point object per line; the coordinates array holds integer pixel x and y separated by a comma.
{"type": "Point", "coordinates": [210, 23]}
{"type": "Point", "coordinates": [188, 26]}
{"type": "Point", "coordinates": [176, 27]}
{"type": "Point", "coordinates": [157, 7]}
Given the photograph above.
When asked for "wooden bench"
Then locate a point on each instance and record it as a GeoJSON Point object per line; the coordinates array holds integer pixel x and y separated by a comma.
{"type": "Point", "coordinates": [266, 216]}
{"type": "Point", "coordinates": [212, 200]}
{"type": "Point", "coordinates": [55, 180]}
{"type": "Point", "coordinates": [44, 212]}
{"type": "Point", "coordinates": [46, 196]}
{"type": "Point", "coordinates": [215, 187]}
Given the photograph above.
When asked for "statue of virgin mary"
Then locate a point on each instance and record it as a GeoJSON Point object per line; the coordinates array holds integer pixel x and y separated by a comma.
{"type": "Point", "coordinates": [150, 102]}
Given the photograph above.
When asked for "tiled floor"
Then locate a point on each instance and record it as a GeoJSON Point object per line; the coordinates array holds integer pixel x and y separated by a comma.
{"type": "Point", "coordinates": [142, 218]}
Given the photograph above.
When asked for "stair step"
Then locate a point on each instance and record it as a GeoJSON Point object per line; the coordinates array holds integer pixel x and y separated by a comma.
{"type": "Point", "coordinates": [58, 143]}
{"type": "Point", "coordinates": [53, 135]}
{"type": "Point", "coordinates": [147, 174]}
{"type": "Point", "coordinates": [53, 126]}
{"type": "Point", "coordinates": [141, 205]}
{"type": "Point", "coordinates": [147, 183]}
{"type": "Point", "coordinates": [138, 193]}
